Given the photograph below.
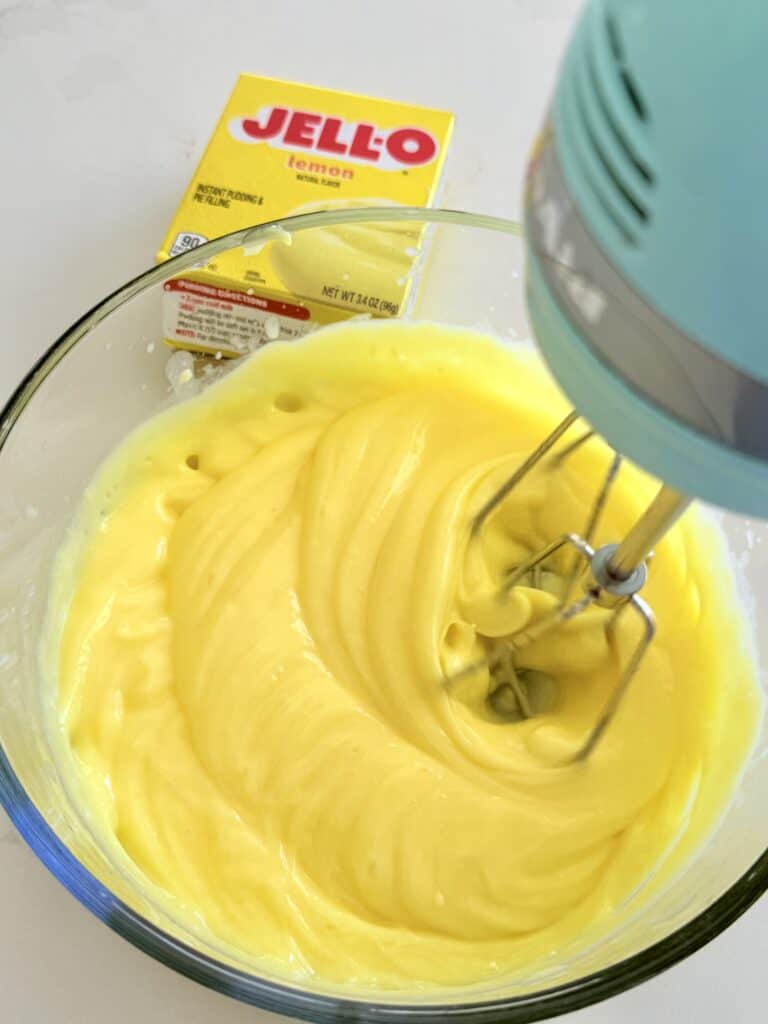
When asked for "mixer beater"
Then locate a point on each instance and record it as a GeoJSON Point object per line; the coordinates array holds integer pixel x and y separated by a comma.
{"type": "Point", "coordinates": [610, 576]}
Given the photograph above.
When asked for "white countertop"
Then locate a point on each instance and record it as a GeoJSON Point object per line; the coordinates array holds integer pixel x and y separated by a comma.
{"type": "Point", "coordinates": [105, 107]}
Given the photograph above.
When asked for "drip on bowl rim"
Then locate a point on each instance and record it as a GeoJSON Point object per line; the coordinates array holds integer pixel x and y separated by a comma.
{"type": "Point", "coordinates": [250, 988]}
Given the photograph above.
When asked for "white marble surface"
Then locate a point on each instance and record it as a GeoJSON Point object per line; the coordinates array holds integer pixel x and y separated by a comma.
{"type": "Point", "coordinates": [104, 108]}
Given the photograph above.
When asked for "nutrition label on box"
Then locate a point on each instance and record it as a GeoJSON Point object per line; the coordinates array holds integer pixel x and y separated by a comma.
{"type": "Point", "coordinates": [227, 321]}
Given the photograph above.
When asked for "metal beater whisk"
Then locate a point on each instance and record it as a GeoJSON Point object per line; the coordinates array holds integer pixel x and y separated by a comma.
{"type": "Point", "coordinates": [615, 574]}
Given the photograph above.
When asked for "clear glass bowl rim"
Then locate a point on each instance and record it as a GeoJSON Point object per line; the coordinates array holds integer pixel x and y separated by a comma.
{"type": "Point", "coordinates": [267, 994]}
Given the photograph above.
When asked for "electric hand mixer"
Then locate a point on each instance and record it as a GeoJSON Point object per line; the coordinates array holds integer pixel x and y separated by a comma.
{"type": "Point", "coordinates": [647, 253]}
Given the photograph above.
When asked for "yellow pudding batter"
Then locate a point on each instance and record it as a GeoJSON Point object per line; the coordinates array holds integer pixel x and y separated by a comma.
{"type": "Point", "coordinates": [254, 621]}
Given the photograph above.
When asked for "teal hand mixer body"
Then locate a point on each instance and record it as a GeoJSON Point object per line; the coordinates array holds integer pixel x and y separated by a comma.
{"type": "Point", "coordinates": [647, 235]}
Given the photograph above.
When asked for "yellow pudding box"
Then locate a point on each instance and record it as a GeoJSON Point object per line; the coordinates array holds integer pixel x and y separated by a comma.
{"type": "Point", "coordinates": [282, 149]}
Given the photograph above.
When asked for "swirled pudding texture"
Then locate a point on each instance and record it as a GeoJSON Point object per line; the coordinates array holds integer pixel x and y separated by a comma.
{"type": "Point", "coordinates": [258, 609]}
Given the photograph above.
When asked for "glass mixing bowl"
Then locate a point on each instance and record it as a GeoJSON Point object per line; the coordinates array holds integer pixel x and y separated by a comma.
{"type": "Point", "coordinates": [104, 376]}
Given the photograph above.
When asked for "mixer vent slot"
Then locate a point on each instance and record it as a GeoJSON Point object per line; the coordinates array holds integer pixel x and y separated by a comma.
{"type": "Point", "coordinates": [613, 115]}
{"type": "Point", "coordinates": [627, 79]}
{"type": "Point", "coordinates": [605, 126]}
{"type": "Point", "coordinates": [600, 189]}
{"type": "Point", "coordinates": [636, 205]}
